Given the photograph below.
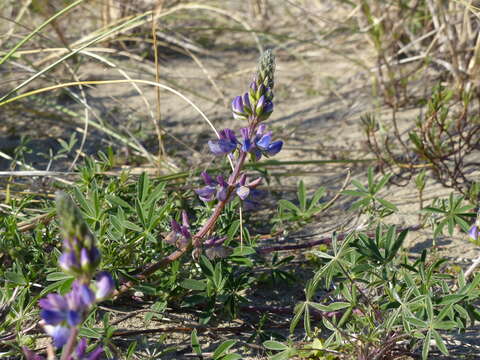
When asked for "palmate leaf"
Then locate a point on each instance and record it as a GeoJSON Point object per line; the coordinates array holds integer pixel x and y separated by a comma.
{"type": "Point", "coordinates": [452, 213]}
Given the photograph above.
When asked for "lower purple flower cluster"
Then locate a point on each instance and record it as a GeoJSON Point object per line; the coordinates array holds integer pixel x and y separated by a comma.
{"type": "Point", "coordinates": [62, 315]}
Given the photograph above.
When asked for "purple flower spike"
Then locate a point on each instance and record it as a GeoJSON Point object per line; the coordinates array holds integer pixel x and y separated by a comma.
{"type": "Point", "coordinates": [474, 233]}
{"type": "Point", "coordinates": [105, 286]}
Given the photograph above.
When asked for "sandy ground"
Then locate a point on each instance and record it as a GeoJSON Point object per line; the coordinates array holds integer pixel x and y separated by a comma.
{"type": "Point", "coordinates": [319, 100]}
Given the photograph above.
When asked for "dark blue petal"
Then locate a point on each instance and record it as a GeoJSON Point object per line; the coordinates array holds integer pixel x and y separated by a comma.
{"type": "Point", "coordinates": [268, 108]}
{"type": "Point", "coordinates": [86, 295]}
{"type": "Point", "coordinates": [274, 148]}
{"type": "Point", "coordinates": [246, 145]}
{"type": "Point", "coordinates": [73, 318]}
{"type": "Point", "coordinates": [53, 317]}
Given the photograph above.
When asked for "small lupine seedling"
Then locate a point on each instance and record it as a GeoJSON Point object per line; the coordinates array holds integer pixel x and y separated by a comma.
{"type": "Point", "coordinates": [306, 209]}
{"type": "Point", "coordinates": [370, 201]}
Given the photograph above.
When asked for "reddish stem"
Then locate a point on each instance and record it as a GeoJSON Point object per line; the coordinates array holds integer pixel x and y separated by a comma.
{"type": "Point", "coordinates": [205, 229]}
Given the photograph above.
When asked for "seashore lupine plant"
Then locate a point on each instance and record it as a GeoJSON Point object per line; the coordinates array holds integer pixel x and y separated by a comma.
{"type": "Point", "coordinates": [254, 141]}
{"type": "Point", "coordinates": [62, 315]}
{"type": "Point", "coordinates": [254, 107]}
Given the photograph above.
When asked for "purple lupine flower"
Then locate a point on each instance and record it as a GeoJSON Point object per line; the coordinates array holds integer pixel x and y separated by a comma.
{"type": "Point", "coordinates": [244, 188]}
{"type": "Point", "coordinates": [246, 142]}
{"type": "Point", "coordinates": [266, 111]}
{"type": "Point", "coordinates": [58, 333]}
{"type": "Point", "coordinates": [225, 144]}
{"type": "Point", "coordinates": [207, 193]}
{"type": "Point", "coordinates": [104, 286]}
{"type": "Point", "coordinates": [252, 201]}
{"type": "Point", "coordinates": [247, 106]}
{"type": "Point", "coordinates": [68, 309]}
{"type": "Point", "coordinates": [261, 144]}
{"type": "Point", "coordinates": [214, 248]}
{"type": "Point", "coordinates": [213, 189]}
{"type": "Point", "coordinates": [264, 144]}
{"type": "Point", "coordinates": [81, 352]}
{"type": "Point", "coordinates": [222, 188]}
{"type": "Point", "coordinates": [30, 355]}
{"type": "Point", "coordinates": [180, 235]}
{"type": "Point", "coordinates": [474, 233]}
{"type": "Point", "coordinates": [238, 109]}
